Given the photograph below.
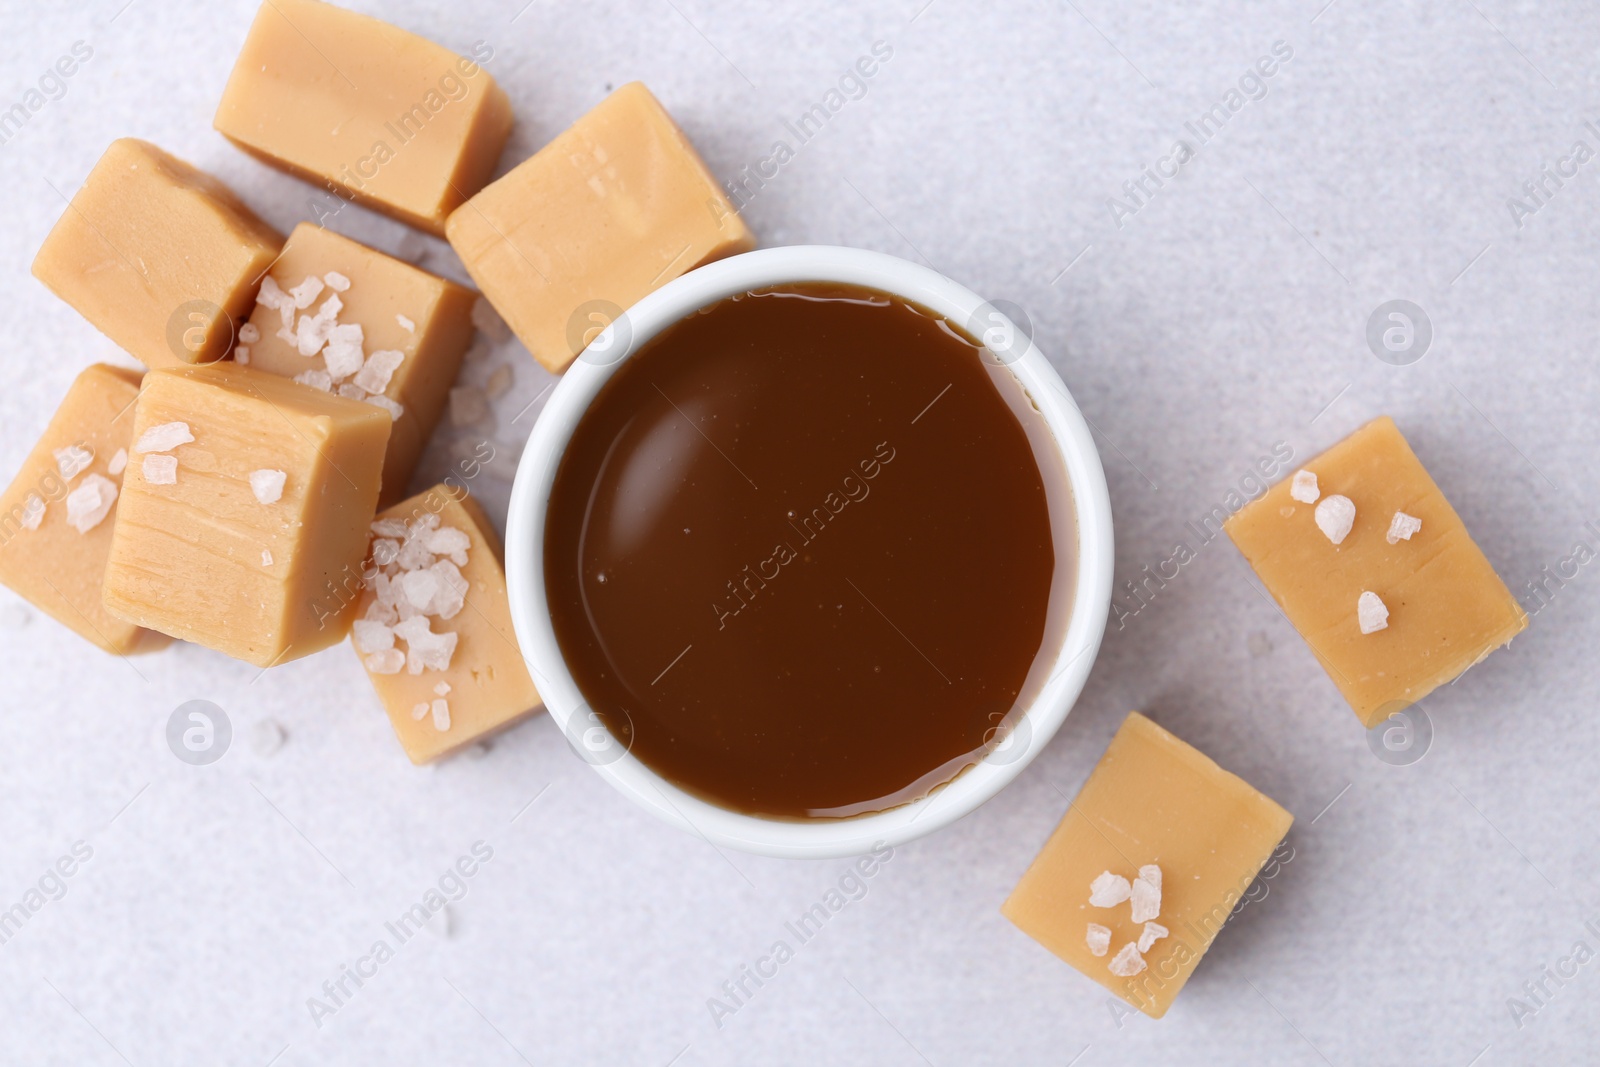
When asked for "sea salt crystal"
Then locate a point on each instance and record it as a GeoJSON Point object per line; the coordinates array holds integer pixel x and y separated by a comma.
{"type": "Point", "coordinates": [32, 512]}
{"type": "Point", "coordinates": [73, 461]}
{"type": "Point", "coordinates": [271, 295]}
{"type": "Point", "coordinates": [1145, 900]}
{"type": "Point", "coordinates": [389, 661]}
{"type": "Point", "coordinates": [1153, 932]}
{"type": "Point", "coordinates": [420, 587]}
{"type": "Point", "coordinates": [374, 376]}
{"type": "Point", "coordinates": [425, 649]}
{"type": "Point", "coordinates": [448, 541]}
{"type": "Point", "coordinates": [372, 636]}
{"type": "Point", "coordinates": [266, 558]}
{"type": "Point", "coordinates": [317, 379]}
{"type": "Point", "coordinates": [249, 333]}
{"type": "Point", "coordinates": [414, 555]}
{"type": "Point", "coordinates": [267, 485]}
{"type": "Point", "coordinates": [306, 291]}
{"type": "Point", "coordinates": [441, 715]}
{"type": "Point", "coordinates": [88, 504]}
{"type": "Point", "coordinates": [1151, 873]}
{"type": "Point", "coordinates": [336, 281]}
{"type": "Point", "coordinates": [385, 550]}
{"type": "Point", "coordinates": [487, 319]}
{"type": "Point", "coordinates": [342, 359]}
{"type": "Point", "coordinates": [241, 355]}
{"type": "Point", "coordinates": [468, 405]}
{"type": "Point", "coordinates": [164, 438]}
{"type": "Point", "coordinates": [406, 324]}
{"type": "Point", "coordinates": [1108, 890]}
{"type": "Point", "coordinates": [348, 333]}
{"type": "Point", "coordinates": [352, 392]}
{"type": "Point", "coordinates": [312, 333]}
{"type": "Point", "coordinates": [161, 470]}
{"type": "Point", "coordinates": [451, 594]}
{"type": "Point", "coordinates": [1371, 613]}
{"type": "Point", "coordinates": [386, 404]}
{"type": "Point", "coordinates": [1127, 962]}
{"type": "Point", "coordinates": [442, 689]}
{"type": "Point", "coordinates": [1098, 939]}
{"type": "Point", "coordinates": [119, 461]}
{"type": "Point", "coordinates": [395, 528]}
{"type": "Point", "coordinates": [1401, 527]}
{"type": "Point", "coordinates": [1304, 487]}
{"type": "Point", "coordinates": [1335, 515]}
{"type": "Point", "coordinates": [419, 711]}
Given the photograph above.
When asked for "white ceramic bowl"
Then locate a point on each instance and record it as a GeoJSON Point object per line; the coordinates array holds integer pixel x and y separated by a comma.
{"type": "Point", "coordinates": [530, 496]}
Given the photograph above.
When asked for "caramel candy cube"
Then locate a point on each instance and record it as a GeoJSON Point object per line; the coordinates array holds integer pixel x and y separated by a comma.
{"type": "Point", "coordinates": [1151, 802]}
{"type": "Point", "coordinates": [159, 256]}
{"type": "Point", "coordinates": [1436, 606]}
{"type": "Point", "coordinates": [386, 118]}
{"type": "Point", "coordinates": [414, 328]}
{"type": "Point", "coordinates": [54, 544]}
{"type": "Point", "coordinates": [244, 511]}
{"type": "Point", "coordinates": [434, 628]}
{"type": "Point", "coordinates": [616, 206]}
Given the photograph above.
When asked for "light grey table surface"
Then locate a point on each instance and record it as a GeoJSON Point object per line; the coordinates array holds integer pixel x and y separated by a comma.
{"type": "Point", "coordinates": [1226, 313]}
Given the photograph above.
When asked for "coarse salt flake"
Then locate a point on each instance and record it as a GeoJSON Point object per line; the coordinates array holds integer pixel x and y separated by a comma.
{"type": "Point", "coordinates": [1127, 962]}
{"type": "Point", "coordinates": [306, 291]}
{"type": "Point", "coordinates": [1304, 487]}
{"type": "Point", "coordinates": [342, 359]}
{"type": "Point", "coordinates": [161, 470]}
{"type": "Point", "coordinates": [336, 281]}
{"type": "Point", "coordinates": [386, 404]}
{"type": "Point", "coordinates": [1372, 613]}
{"type": "Point", "coordinates": [1151, 873]}
{"type": "Point", "coordinates": [419, 711]}
{"type": "Point", "coordinates": [1152, 933]}
{"type": "Point", "coordinates": [1401, 527]}
{"type": "Point", "coordinates": [372, 636]}
{"type": "Point", "coordinates": [266, 558]}
{"type": "Point", "coordinates": [249, 333]}
{"type": "Point", "coordinates": [267, 485]}
{"type": "Point", "coordinates": [164, 438]}
{"type": "Point", "coordinates": [241, 355]}
{"type": "Point", "coordinates": [73, 461]}
{"type": "Point", "coordinates": [380, 367]}
{"type": "Point", "coordinates": [1098, 939]}
{"type": "Point", "coordinates": [88, 504]}
{"type": "Point", "coordinates": [317, 379]}
{"type": "Point", "coordinates": [32, 512]}
{"type": "Point", "coordinates": [389, 661]}
{"type": "Point", "coordinates": [406, 324]}
{"type": "Point", "coordinates": [1108, 890]}
{"type": "Point", "coordinates": [119, 461]}
{"type": "Point", "coordinates": [351, 391]}
{"type": "Point", "coordinates": [1144, 900]}
{"type": "Point", "coordinates": [1335, 515]}
{"type": "Point", "coordinates": [441, 715]}
{"type": "Point", "coordinates": [442, 689]}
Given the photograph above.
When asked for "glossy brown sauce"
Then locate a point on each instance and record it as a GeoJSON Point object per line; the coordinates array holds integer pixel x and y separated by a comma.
{"type": "Point", "coordinates": [799, 552]}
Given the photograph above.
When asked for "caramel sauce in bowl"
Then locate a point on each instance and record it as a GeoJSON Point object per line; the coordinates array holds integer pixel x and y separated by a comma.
{"type": "Point", "coordinates": [858, 677]}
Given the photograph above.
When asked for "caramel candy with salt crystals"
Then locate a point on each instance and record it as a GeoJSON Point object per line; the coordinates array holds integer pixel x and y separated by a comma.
{"type": "Point", "coordinates": [159, 256]}
{"type": "Point", "coordinates": [1438, 605]}
{"type": "Point", "coordinates": [391, 120]}
{"type": "Point", "coordinates": [404, 313]}
{"type": "Point", "coordinates": [613, 208]}
{"type": "Point", "coordinates": [486, 686]}
{"type": "Point", "coordinates": [244, 511]}
{"type": "Point", "coordinates": [57, 517]}
{"type": "Point", "coordinates": [1151, 801]}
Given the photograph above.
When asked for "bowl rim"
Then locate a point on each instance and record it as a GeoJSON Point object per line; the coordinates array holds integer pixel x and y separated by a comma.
{"type": "Point", "coordinates": [626, 333]}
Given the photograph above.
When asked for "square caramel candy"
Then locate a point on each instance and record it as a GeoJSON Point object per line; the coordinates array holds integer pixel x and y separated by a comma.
{"type": "Point", "coordinates": [616, 206]}
{"type": "Point", "coordinates": [57, 516]}
{"type": "Point", "coordinates": [434, 628]}
{"type": "Point", "coordinates": [384, 117]}
{"type": "Point", "coordinates": [244, 511]}
{"type": "Point", "coordinates": [1392, 609]}
{"type": "Point", "coordinates": [159, 256]}
{"type": "Point", "coordinates": [344, 317]}
{"type": "Point", "coordinates": [1159, 836]}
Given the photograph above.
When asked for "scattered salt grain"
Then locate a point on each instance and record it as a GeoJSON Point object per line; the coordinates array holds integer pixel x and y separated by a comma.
{"type": "Point", "coordinates": [1153, 932]}
{"type": "Point", "coordinates": [468, 405]}
{"type": "Point", "coordinates": [425, 649]}
{"type": "Point", "coordinates": [1401, 527]}
{"type": "Point", "coordinates": [271, 295]}
{"type": "Point", "coordinates": [352, 392]}
{"type": "Point", "coordinates": [380, 367]}
{"type": "Point", "coordinates": [342, 358]}
{"type": "Point", "coordinates": [420, 587]}
{"type": "Point", "coordinates": [442, 689]}
{"type": "Point", "coordinates": [1151, 873]}
{"type": "Point", "coordinates": [394, 528]}
{"type": "Point", "coordinates": [1108, 890]}
{"type": "Point", "coordinates": [1304, 487]}
{"type": "Point", "coordinates": [249, 333]}
{"type": "Point", "coordinates": [119, 461]}
{"type": "Point", "coordinates": [406, 324]}
{"type": "Point", "coordinates": [419, 711]}
{"type": "Point", "coordinates": [88, 504]}
{"type": "Point", "coordinates": [441, 715]}
{"type": "Point", "coordinates": [164, 438]}
{"type": "Point", "coordinates": [1371, 613]}
{"type": "Point", "coordinates": [1335, 515]}
{"type": "Point", "coordinates": [266, 558]}
{"type": "Point", "coordinates": [1098, 939]}
{"type": "Point", "coordinates": [317, 379]}
{"type": "Point", "coordinates": [389, 661]}
{"type": "Point", "coordinates": [241, 355]}
{"type": "Point", "coordinates": [306, 291]}
{"type": "Point", "coordinates": [448, 541]}
{"type": "Point", "coordinates": [161, 470]}
{"type": "Point", "coordinates": [451, 595]}
{"type": "Point", "coordinates": [1144, 900]}
{"type": "Point", "coordinates": [487, 319]}
{"type": "Point", "coordinates": [267, 485]}
{"type": "Point", "coordinates": [372, 636]}
{"type": "Point", "coordinates": [499, 382]}
{"type": "Point", "coordinates": [336, 281]}
{"type": "Point", "coordinates": [73, 461]}
{"type": "Point", "coordinates": [32, 512]}
{"type": "Point", "coordinates": [1127, 962]}
{"type": "Point", "coordinates": [386, 404]}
